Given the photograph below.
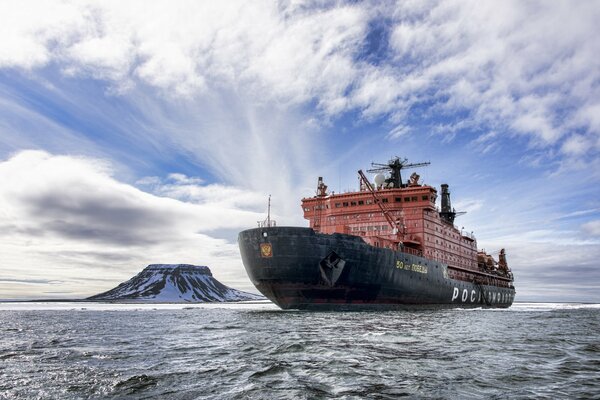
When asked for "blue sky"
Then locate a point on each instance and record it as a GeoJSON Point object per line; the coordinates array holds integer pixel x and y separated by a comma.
{"type": "Point", "coordinates": [146, 133]}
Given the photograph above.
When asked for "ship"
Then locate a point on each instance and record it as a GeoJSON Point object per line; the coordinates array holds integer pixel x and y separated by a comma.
{"type": "Point", "coordinates": [385, 246]}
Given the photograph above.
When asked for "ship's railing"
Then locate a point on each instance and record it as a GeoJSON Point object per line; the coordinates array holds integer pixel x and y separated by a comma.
{"type": "Point", "coordinates": [467, 235]}
{"type": "Point", "coordinates": [470, 265]}
{"type": "Point", "coordinates": [414, 252]}
{"type": "Point", "coordinates": [267, 223]}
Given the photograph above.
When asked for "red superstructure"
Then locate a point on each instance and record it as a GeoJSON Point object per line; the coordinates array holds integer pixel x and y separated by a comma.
{"type": "Point", "coordinates": [404, 217]}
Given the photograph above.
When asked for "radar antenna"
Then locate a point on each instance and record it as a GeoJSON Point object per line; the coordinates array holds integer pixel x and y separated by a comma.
{"type": "Point", "coordinates": [394, 166]}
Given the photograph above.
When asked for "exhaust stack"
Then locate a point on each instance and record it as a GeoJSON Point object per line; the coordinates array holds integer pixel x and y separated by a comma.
{"type": "Point", "coordinates": [447, 214]}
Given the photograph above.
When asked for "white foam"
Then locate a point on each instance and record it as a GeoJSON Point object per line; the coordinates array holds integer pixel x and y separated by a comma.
{"type": "Point", "coordinates": [519, 307]}
{"type": "Point", "coordinates": [552, 306]}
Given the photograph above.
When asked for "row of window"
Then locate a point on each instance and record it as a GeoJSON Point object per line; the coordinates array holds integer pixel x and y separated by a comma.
{"type": "Point", "coordinates": [409, 199]}
{"type": "Point", "coordinates": [451, 234]}
{"type": "Point", "coordinates": [353, 203]}
{"type": "Point", "coordinates": [383, 200]}
{"type": "Point", "coordinates": [351, 216]}
{"type": "Point", "coordinates": [446, 244]}
{"type": "Point", "coordinates": [369, 228]}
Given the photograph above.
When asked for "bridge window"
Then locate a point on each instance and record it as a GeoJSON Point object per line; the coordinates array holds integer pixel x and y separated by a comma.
{"type": "Point", "coordinates": [338, 205]}
{"type": "Point", "coordinates": [345, 204]}
{"type": "Point", "coordinates": [406, 199]}
{"type": "Point", "coordinates": [360, 202]}
{"type": "Point", "coordinates": [384, 200]}
{"type": "Point", "coordinates": [425, 197]}
{"type": "Point", "coordinates": [369, 201]}
{"type": "Point", "coordinates": [414, 198]}
{"type": "Point", "coordinates": [398, 199]}
{"type": "Point", "coordinates": [352, 203]}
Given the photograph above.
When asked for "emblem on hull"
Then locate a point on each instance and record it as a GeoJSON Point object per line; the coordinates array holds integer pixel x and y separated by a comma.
{"type": "Point", "coordinates": [266, 251]}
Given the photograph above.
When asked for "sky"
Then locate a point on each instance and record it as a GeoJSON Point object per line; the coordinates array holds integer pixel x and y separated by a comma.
{"type": "Point", "coordinates": [140, 132]}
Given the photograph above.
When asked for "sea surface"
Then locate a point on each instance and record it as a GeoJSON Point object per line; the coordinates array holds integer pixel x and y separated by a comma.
{"type": "Point", "coordinates": [256, 351]}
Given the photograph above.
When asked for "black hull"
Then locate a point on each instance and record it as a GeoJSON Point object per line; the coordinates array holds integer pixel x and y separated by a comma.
{"type": "Point", "coordinates": [297, 268]}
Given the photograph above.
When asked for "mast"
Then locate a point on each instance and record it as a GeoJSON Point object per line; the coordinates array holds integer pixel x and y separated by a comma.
{"type": "Point", "coordinates": [394, 166]}
{"type": "Point", "coordinates": [267, 223]}
{"type": "Point", "coordinates": [269, 212]}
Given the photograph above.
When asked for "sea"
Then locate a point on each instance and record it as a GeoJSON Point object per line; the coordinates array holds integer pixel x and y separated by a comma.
{"type": "Point", "coordinates": [256, 351]}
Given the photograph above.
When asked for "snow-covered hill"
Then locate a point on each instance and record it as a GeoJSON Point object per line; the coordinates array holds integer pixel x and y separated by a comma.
{"type": "Point", "coordinates": [175, 283]}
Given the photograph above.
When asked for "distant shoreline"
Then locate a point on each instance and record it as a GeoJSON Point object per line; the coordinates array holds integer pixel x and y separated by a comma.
{"type": "Point", "coordinates": [217, 302]}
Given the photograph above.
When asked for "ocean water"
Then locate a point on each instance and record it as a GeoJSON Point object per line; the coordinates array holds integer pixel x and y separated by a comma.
{"type": "Point", "coordinates": [256, 351]}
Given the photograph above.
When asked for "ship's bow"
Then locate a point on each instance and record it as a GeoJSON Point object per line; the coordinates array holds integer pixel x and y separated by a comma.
{"type": "Point", "coordinates": [281, 261]}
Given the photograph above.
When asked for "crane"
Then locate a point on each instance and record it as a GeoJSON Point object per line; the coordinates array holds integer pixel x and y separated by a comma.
{"type": "Point", "coordinates": [384, 210]}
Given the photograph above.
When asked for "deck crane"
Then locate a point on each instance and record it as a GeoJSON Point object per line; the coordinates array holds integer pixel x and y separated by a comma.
{"type": "Point", "coordinates": [378, 201]}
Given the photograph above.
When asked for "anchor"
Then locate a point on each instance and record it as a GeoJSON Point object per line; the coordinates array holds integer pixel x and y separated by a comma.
{"type": "Point", "coordinates": [331, 268]}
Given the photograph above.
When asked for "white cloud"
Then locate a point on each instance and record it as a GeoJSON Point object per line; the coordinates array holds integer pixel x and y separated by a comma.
{"type": "Point", "coordinates": [188, 189]}
{"type": "Point", "coordinates": [181, 179]}
{"type": "Point", "coordinates": [592, 228]}
{"type": "Point", "coordinates": [399, 131]}
{"type": "Point", "coordinates": [576, 145]}
{"type": "Point", "coordinates": [529, 66]}
{"type": "Point", "coordinates": [468, 205]}
{"type": "Point", "coordinates": [66, 220]}
{"type": "Point", "coordinates": [509, 63]}
{"type": "Point", "coordinates": [286, 52]}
